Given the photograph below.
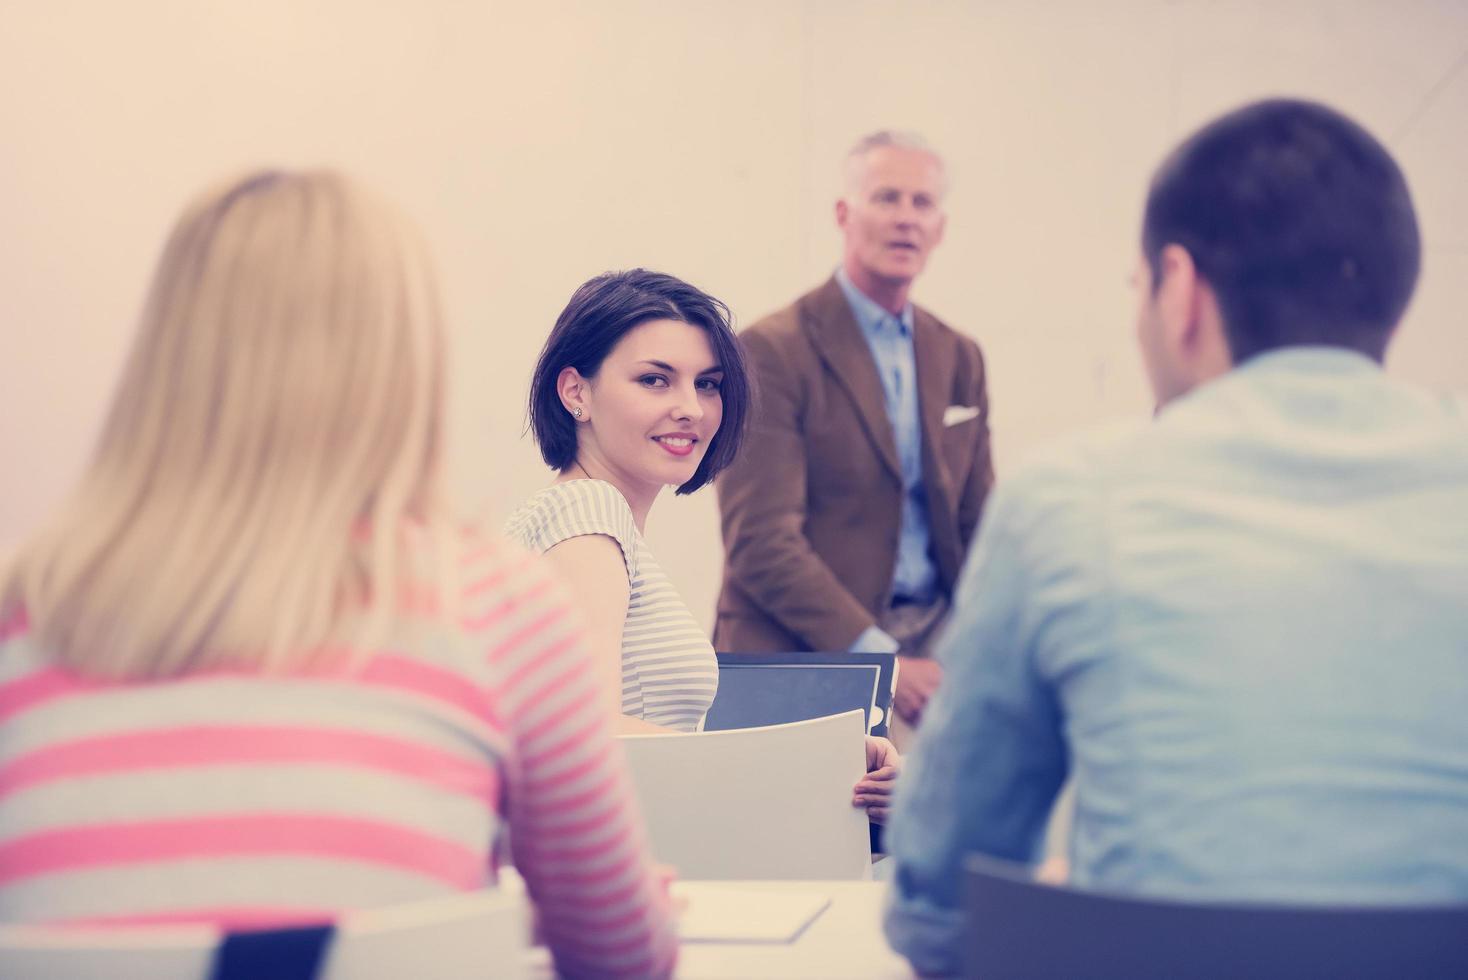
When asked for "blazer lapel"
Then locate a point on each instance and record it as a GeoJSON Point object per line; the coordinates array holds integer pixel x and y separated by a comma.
{"type": "Point", "coordinates": [839, 341]}
{"type": "Point", "coordinates": [933, 355]}
{"type": "Point", "coordinates": [934, 385]}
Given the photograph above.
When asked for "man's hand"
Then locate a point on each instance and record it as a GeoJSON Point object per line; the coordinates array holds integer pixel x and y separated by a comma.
{"type": "Point", "coordinates": [917, 680]}
{"type": "Point", "coordinates": [874, 790]}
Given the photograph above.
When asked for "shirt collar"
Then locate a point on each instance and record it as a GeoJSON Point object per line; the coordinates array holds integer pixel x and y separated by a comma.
{"type": "Point", "coordinates": [1312, 359]}
{"type": "Point", "coordinates": [870, 316]}
{"type": "Point", "coordinates": [1298, 363]}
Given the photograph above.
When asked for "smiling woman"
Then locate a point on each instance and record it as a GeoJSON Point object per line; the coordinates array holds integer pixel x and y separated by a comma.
{"type": "Point", "coordinates": [641, 385]}
{"type": "Point", "coordinates": [652, 411]}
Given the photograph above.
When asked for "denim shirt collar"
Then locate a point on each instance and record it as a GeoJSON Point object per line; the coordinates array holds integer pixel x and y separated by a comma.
{"type": "Point", "coordinates": [870, 316]}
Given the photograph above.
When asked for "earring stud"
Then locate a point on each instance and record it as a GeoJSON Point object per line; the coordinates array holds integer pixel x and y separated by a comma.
{"type": "Point", "coordinates": [576, 412]}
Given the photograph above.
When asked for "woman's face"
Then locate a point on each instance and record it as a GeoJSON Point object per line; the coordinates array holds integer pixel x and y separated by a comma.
{"type": "Point", "coordinates": [653, 407]}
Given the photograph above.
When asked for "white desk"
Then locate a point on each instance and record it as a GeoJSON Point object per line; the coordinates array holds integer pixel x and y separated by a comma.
{"type": "Point", "coordinates": [844, 942]}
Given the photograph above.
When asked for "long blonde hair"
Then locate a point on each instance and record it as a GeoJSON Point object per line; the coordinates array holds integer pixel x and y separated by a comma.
{"type": "Point", "coordinates": [276, 433]}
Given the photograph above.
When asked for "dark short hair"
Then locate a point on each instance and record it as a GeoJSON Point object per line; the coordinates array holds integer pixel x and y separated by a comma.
{"type": "Point", "coordinates": [1299, 220]}
{"type": "Point", "coordinates": [599, 314]}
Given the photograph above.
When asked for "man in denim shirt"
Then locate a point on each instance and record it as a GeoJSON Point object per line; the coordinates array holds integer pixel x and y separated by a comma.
{"type": "Point", "coordinates": [846, 527]}
{"type": "Point", "coordinates": [1243, 627]}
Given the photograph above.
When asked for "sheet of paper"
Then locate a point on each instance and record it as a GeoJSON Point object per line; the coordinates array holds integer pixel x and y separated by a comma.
{"type": "Point", "coordinates": [726, 913]}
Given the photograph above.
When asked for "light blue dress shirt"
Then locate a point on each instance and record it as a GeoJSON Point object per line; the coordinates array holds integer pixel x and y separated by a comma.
{"type": "Point", "coordinates": [1242, 628]}
{"type": "Point", "coordinates": [890, 340]}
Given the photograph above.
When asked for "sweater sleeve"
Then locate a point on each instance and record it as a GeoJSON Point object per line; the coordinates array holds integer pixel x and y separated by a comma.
{"type": "Point", "coordinates": [576, 832]}
{"type": "Point", "coordinates": [569, 510]}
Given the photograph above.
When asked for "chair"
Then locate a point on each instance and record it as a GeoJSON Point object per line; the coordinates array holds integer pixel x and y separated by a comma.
{"type": "Point", "coordinates": [758, 689]}
{"type": "Point", "coordinates": [1016, 928]}
{"type": "Point", "coordinates": [756, 803]}
{"type": "Point", "coordinates": [476, 934]}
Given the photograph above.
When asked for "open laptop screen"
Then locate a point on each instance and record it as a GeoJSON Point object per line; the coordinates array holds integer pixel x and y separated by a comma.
{"type": "Point", "coordinates": [755, 694]}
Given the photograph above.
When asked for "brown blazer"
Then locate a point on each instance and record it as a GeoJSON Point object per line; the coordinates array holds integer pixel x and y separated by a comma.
{"type": "Point", "coordinates": [812, 511]}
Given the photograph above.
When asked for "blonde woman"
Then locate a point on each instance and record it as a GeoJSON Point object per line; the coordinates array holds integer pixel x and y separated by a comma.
{"type": "Point", "coordinates": [253, 673]}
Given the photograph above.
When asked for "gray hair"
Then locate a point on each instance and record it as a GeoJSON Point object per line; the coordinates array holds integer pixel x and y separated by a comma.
{"type": "Point", "coordinates": [902, 139]}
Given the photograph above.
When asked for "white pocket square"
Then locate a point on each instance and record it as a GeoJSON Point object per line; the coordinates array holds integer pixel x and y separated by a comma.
{"type": "Point", "coordinates": [955, 414]}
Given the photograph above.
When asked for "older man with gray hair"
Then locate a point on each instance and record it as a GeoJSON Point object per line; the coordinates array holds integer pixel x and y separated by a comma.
{"type": "Point", "coordinates": [846, 525]}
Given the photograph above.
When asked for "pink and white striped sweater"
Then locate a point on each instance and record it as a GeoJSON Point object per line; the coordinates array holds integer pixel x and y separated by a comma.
{"type": "Point", "coordinates": [244, 800]}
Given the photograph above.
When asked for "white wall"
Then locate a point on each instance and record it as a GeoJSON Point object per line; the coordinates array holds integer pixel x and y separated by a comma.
{"type": "Point", "coordinates": [542, 143]}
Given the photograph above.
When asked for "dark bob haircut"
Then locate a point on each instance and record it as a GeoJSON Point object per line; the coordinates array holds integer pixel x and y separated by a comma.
{"type": "Point", "coordinates": [599, 314]}
{"type": "Point", "coordinates": [1300, 221]}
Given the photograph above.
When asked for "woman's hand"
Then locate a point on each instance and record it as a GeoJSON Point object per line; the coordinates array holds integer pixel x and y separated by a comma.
{"type": "Point", "coordinates": [666, 874]}
{"type": "Point", "coordinates": [874, 790]}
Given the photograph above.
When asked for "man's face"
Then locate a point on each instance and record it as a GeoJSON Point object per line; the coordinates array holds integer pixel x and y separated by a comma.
{"type": "Point", "coordinates": [892, 213]}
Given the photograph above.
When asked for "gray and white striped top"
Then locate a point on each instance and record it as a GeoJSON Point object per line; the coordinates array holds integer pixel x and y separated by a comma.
{"type": "Point", "coordinates": [669, 672]}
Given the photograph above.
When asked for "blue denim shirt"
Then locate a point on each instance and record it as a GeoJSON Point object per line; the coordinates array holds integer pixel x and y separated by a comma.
{"type": "Point", "coordinates": [1242, 628]}
{"type": "Point", "coordinates": [890, 340]}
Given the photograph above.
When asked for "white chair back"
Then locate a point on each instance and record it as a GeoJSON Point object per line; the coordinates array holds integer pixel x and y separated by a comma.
{"type": "Point", "coordinates": [756, 803]}
{"type": "Point", "coordinates": [482, 934]}
{"type": "Point", "coordinates": [477, 934]}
